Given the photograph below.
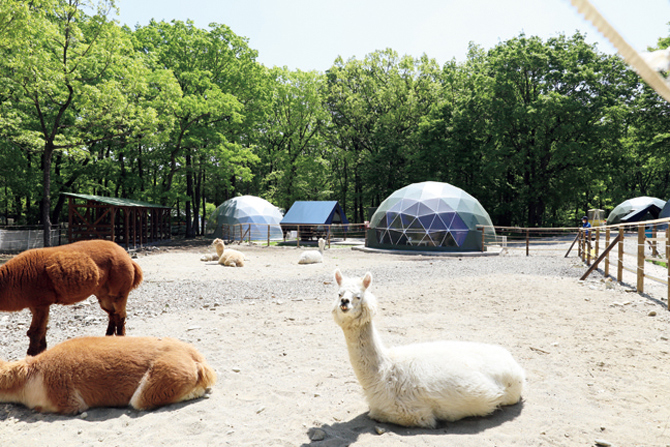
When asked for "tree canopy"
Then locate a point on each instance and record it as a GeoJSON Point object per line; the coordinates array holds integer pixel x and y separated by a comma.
{"type": "Point", "coordinates": [538, 131]}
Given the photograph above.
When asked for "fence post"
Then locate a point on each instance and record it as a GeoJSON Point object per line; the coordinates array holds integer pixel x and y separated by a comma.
{"type": "Point", "coordinates": [483, 240]}
{"type": "Point", "coordinates": [619, 271]}
{"type": "Point", "coordinates": [640, 258]}
{"type": "Point", "coordinates": [597, 253]}
{"type": "Point", "coordinates": [579, 243]}
{"type": "Point", "coordinates": [607, 257]}
{"type": "Point", "coordinates": [527, 242]}
{"type": "Point", "coordinates": [667, 261]}
{"type": "Point", "coordinates": [268, 235]}
{"type": "Point", "coordinates": [298, 233]}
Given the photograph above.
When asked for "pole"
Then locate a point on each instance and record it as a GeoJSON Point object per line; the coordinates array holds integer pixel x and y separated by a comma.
{"type": "Point", "coordinates": [640, 258]}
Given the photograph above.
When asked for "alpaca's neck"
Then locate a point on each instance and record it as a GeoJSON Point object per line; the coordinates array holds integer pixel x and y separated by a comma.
{"type": "Point", "coordinates": [366, 353]}
{"type": "Point", "coordinates": [220, 249]}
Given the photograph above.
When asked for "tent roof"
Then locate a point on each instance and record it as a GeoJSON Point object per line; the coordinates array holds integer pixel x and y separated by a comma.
{"type": "Point", "coordinates": [114, 201]}
{"type": "Point", "coordinates": [635, 209]}
{"type": "Point", "coordinates": [313, 213]}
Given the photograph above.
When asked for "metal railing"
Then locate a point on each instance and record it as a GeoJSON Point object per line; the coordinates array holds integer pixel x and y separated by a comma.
{"type": "Point", "coordinates": [16, 238]}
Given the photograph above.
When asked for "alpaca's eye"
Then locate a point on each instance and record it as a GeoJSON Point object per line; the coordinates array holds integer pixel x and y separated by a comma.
{"type": "Point", "coordinates": [358, 296]}
{"type": "Point", "coordinates": [341, 294]}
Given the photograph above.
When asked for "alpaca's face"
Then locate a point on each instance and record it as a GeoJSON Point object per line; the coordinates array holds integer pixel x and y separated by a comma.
{"type": "Point", "coordinates": [352, 303]}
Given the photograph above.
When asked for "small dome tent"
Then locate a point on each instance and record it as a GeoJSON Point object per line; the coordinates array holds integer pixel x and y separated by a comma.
{"type": "Point", "coordinates": [429, 216]}
{"type": "Point", "coordinates": [257, 213]}
{"type": "Point", "coordinates": [637, 209]}
{"type": "Point", "coordinates": [665, 212]}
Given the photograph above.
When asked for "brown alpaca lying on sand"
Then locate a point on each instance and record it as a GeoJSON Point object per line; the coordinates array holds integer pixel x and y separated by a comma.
{"type": "Point", "coordinates": [81, 373]}
{"type": "Point", "coordinates": [38, 278]}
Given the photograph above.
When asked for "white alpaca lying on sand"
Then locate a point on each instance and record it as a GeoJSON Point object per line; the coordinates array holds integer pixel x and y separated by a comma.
{"type": "Point", "coordinates": [219, 247]}
{"type": "Point", "coordinates": [419, 384]}
{"type": "Point", "coordinates": [313, 256]}
{"type": "Point", "coordinates": [229, 257]}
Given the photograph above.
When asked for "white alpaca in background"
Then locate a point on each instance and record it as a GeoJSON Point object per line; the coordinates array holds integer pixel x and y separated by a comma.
{"type": "Point", "coordinates": [229, 257]}
{"type": "Point", "coordinates": [219, 247]}
{"type": "Point", "coordinates": [313, 256]}
{"type": "Point", "coordinates": [419, 384]}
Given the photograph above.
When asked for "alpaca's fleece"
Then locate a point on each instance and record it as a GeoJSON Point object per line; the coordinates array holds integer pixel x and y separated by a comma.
{"type": "Point", "coordinates": [38, 278]}
{"type": "Point", "coordinates": [227, 257]}
{"type": "Point", "coordinates": [219, 246]}
{"type": "Point", "coordinates": [232, 258]}
{"type": "Point", "coordinates": [81, 373]}
{"type": "Point", "coordinates": [419, 384]}
{"type": "Point", "coordinates": [313, 256]}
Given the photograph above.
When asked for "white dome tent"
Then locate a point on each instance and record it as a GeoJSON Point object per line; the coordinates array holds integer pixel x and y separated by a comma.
{"type": "Point", "coordinates": [255, 214]}
{"type": "Point", "coordinates": [430, 216]}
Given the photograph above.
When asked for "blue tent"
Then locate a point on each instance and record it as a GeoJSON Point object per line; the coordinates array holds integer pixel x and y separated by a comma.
{"type": "Point", "coordinates": [311, 214]}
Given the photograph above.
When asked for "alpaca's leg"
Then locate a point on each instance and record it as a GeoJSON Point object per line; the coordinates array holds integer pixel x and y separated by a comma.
{"type": "Point", "coordinates": [115, 306]}
{"type": "Point", "coordinates": [38, 330]}
{"type": "Point", "coordinates": [172, 378]}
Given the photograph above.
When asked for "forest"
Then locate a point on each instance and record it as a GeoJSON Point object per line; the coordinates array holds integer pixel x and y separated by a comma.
{"type": "Point", "coordinates": [539, 131]}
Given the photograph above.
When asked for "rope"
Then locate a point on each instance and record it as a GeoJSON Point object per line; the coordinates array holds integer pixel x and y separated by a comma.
{"type": "Point", "coordinates": [629, 54]}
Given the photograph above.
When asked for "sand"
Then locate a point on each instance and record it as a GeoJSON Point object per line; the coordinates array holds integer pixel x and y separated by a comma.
{"type": "Point", "coordinates": [596, 354]}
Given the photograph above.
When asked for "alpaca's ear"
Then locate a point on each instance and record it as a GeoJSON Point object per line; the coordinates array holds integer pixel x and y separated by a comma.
{"type": "Point", "coordinates": [338, 277]}
{"type": "Point", "coordinates": [367, 280]}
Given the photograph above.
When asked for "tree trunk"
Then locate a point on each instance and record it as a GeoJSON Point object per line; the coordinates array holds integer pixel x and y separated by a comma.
{"type": "Point", "coordinates": [189, 194]}
{"type": "Point", "coordinates": [46, 194]}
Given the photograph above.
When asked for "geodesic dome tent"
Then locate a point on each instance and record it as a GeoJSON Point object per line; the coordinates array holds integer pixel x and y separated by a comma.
{"type": "Point", "coordinates": [255, 214]}
{"type": "Point", "coordinates": [637, 209]}
{"type": "Point", "coordinates": [429, 216]}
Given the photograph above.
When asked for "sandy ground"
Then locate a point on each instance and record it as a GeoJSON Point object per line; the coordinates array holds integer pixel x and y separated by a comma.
{"type": "Point", "coordinates": [596, 356]}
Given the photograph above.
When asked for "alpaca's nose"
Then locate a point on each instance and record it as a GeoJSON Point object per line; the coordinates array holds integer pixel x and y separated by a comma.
{"type": "Point", "coordinates": [344, 301]}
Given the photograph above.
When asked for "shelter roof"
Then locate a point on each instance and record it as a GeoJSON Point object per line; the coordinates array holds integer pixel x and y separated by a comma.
{"type": "Point", "coordinates": [114, 201]}
{"type": "Point", "coordinates": [313, 213]}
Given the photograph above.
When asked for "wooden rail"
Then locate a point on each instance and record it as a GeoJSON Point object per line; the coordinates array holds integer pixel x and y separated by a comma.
{"type": "Point", "coordinates": [242, 232]}
{"type": "Point", "coordinates": [650, 239]}
{"type": "Point", "coordinates": [646, 237]}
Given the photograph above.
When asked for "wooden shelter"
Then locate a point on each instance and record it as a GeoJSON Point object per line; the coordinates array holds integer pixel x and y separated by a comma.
{"type": "Point", "coordinates": [126, 222]}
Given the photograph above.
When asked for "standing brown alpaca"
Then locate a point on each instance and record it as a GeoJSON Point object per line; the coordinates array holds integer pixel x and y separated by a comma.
{"type": "Point", "coordinates": [38, 278]}
{"type": "Point", "coordinates": [87, 372]}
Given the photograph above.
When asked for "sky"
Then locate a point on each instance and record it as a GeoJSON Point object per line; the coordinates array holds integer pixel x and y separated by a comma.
{"type": "Point", "coordinates": [311, 34]}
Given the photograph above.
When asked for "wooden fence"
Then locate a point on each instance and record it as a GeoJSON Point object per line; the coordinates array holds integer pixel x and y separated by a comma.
{"type": "Point", "coordinates": [537, 239]}
{"type": "Point", "coordinates": [651, 244]}
{"type": "Point", "coordinates": [606, 246]}
{"type": "Point", "coordinates": [329, 232]}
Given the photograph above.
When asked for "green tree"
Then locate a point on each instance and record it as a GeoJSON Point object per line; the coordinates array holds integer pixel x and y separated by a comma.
{"type": "Point", "coordinates": [294, 154]}
{"type": "Point", "coordinates": [69, 81]}
{"type": "Point", "coordinates": [375, 107]}
{"type": "Point", "coordinates": [548, 105]}
{"type": "Point", "coordinates": [214, 69]}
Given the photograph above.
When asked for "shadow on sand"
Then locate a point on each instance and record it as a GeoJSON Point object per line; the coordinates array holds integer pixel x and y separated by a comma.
{"type": "Point", "coordinates": [346, 433]}
{"type": "Point", "coordinates": [98, 414]}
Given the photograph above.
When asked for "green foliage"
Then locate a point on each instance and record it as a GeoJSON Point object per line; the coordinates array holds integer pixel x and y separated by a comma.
{"type": "Point", "coordinates": [538, 131]}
